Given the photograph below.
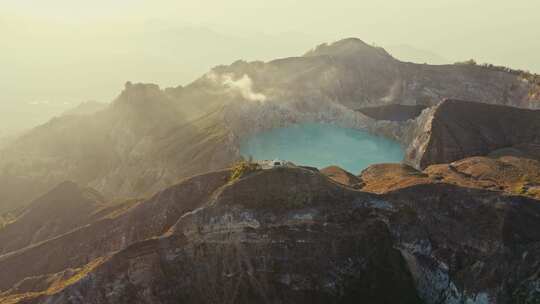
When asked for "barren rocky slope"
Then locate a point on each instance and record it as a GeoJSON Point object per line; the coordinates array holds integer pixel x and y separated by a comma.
{"type": "Point", "coordinates": [61, 210]}
{"type": "Point", "coordinates": [457, 129]}
{"type": "Point", "coordinates": [141, 143]}
{"type": "Point", "coordinates": [516, 175]}
{"type": "Point", "coordinates": [290, 235]}
{"type": "Point", "coordinates": [341, 176]}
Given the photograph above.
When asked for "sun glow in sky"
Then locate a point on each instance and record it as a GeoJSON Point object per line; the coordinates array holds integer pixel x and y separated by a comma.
{"type": "Point", "coordinates": [76, 50]}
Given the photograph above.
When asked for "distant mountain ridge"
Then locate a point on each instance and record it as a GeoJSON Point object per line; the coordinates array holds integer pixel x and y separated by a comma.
{"type": "Point", "coordinates": [84, 108]}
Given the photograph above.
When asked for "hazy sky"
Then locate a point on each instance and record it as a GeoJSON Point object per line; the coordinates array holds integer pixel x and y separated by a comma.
{"type": "Point", "coordinates": [67, 51]}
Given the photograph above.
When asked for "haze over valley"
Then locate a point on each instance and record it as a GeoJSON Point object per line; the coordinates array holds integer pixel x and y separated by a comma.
{"type": "Point", "coordinates": [254, 152]}
{"type": "Point", "coordinates": [59, 54]}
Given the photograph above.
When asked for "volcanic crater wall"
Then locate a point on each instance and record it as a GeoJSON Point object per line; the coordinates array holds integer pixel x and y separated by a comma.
{"type": "Point", "coordinates": [458, 129]}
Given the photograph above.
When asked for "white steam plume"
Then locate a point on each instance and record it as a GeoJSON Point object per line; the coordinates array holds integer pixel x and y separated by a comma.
{"type": "Point", "coordinates": [242, 85]}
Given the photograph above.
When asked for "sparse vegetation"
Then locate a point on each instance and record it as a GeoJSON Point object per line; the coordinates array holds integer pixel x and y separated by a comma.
{"type": "Point", "coordinates": [243, 168]}
{"type": "Point", "coordinates": [531, 77]}
{"type": "Point", "coordinates": [466, 62]}
{"type": "Point", "coordinates": [527, 185]}
{"type": "Point", "coordinates": [57, 283]}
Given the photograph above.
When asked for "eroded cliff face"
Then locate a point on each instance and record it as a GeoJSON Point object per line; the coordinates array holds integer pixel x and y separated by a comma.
{"type": "Point", "coordinates": [475, 247]}
{"type": "Point", "coordinates": [291, 235]}
{"type": "Point", "coordinates": [457, 129]}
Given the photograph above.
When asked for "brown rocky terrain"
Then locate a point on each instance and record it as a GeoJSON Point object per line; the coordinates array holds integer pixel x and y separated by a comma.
{"type": "Point", "coordinates": [291, 235]}
{"type": "Point", "coordinates": [382, 178]}
{"type": "Point", "coordinates": [456, 129]}
{"type": "Point", "coordinates": [341, 176]}
{"type": "Point", "coordinates": [502, 171]}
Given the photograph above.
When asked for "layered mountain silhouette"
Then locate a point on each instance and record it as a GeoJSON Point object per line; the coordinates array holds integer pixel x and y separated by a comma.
{"type": "Point", "coordinates": [139, 201]}
{"type": "Point", "coordinates": [150, 137]}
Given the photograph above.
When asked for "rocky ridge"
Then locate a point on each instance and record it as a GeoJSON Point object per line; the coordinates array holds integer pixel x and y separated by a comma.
{"type": "Point", "coordinates": [291, 235]}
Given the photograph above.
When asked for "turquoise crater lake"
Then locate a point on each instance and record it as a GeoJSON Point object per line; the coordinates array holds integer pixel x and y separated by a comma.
{"type": "Point", "coordinates": [322, 145]}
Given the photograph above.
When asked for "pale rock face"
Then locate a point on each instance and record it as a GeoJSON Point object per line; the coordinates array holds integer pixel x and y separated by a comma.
{"type": "Point", "coordinates": [433, 281]}
{"type": "Point", "coordinates": [455, 130]}
{"type": "Point", "coordinates": [417, 136]}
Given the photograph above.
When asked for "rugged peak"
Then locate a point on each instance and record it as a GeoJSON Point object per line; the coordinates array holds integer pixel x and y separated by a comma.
{"type": "Point", "coordinates": [142, 103]}
{"type": "Point", "coordinates": [139, 86]}
{"type": "Point", "coordinates": [139, 94]}
{"type": "Point", "coordinates": [347, 47]}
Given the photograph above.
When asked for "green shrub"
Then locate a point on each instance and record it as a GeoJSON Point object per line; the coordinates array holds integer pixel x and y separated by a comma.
{"type": "Point", "coordinates": [242, 168]}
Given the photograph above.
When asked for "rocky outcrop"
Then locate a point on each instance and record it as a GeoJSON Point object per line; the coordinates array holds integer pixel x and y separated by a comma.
{"type": "Point", "coordinates": [341, 176]}
{"type": "Point", "coordinates": [382, 178]}
{"type": "Point", "coordinates": [507, 170]}
{"type": "Point", "coordinates": [510, 174]}
{"type": "Point", "coordinates": [292, 235]}
{"type": "Point", "coordinates": [457, 129]}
